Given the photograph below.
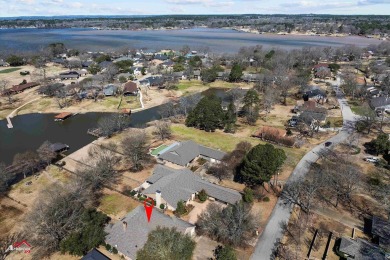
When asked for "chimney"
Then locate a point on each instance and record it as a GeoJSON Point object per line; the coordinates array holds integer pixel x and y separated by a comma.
{"type": "Point", "coordinates": [158, 198]}
{"type": "Point", "coordinates": [353, 233]}
{"type": "Point", "coordinates": [124, 223]}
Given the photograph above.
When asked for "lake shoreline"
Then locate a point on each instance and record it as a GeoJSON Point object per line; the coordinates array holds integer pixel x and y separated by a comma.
{"type": "Point", "coordinates": [216, 40]}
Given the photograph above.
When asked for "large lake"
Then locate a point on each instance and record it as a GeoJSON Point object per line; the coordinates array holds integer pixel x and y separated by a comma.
{"type": "Point", "coordinates": [218, 40]}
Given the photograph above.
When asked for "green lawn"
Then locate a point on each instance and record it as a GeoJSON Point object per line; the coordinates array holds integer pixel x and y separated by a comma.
{"type": "Point", "coordinates": [185, 84]}
{"type": "Point", "coordinates": [9, 70]}
{"type": "Point", "coordinates": [158, 149]}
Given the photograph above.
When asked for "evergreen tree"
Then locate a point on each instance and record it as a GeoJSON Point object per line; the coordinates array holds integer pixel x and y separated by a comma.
{"type": "Point", "coordinates": [89, 236]}
{"type": "Point", "coordinates": [207, 115]}
{"type": "Point", "coordinates": [261, 163]}
{"type": "Point", "coordinates": [381, 144]}
{"type": "Point", "coordinates": [180, 208]}
{"type": "Point", "coordinates": [225, 253]}
{"type": "Point", "coordinates": [251, 106]}
{"type": "Point", "coordinates": [167, 244]}
{"type": "Point", "coordinates": [235, 73]}
{"type": "Point", "coordinates": [230, 118]}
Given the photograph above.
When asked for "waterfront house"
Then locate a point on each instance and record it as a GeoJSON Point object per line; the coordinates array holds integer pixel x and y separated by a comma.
{"type": "Point", "coordinates": [110, 90]}
{"type": "Point", "coordinates": [3, 63]}
{"type": "Point", "coordinates": [131, 233]}
{"type": "Point", "coordinates": [182, 153]}
{"type": "Point", "coordinates": [168, 186]}
{"type": "Point", "coordinates": [130, 89]}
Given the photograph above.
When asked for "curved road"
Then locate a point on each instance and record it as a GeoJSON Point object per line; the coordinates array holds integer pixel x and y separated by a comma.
{"type": "Point", "coordinates": [281, 213]}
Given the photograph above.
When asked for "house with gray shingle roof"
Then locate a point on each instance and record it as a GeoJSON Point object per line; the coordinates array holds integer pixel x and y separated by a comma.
{"type": "Point", "coordinates": [358, 249]}
{"type": "Point", "coordinates": [169, 186]}
{"type": "Point", "coordinates": [131, 233]}
{"type": "Point", "coordinates": [182, 153]}
{"type": "Point", "coordinates": [380, 103]}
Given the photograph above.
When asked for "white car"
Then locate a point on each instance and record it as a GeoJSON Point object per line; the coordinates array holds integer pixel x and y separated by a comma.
{"type": "Point", "coordinates": [372, 159]}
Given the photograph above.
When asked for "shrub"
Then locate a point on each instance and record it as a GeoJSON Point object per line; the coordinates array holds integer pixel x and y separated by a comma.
{"type": "Point", "coordinates": [194, 168]}
{"type": "Point", "coordinates": [201, 161]}
{"type": "Point", "coordinates": [108, 247]}
{"type": "Point", "coordinates": [266, 199]}
{"type": "Point", "coordinates": [180, 208]}
{"type": "Point", "coordinates": [248, 195]}
{"type": "Point", "coordinates": [202, 195]}
{"type": "Point", "coordinates": [114, 250]}
{"type": "Point", "coordinates": [289, 132]}
{"type": "Point", "coordinates": [225, 253]}
{"type": "Point", "coordinates": [133, 192]}
{"type": "Point", "coordinates": [162, 206]}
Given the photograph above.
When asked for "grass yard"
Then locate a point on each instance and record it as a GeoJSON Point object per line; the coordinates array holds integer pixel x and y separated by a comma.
{"type": "Point", "coordinates": [116, 205]}
{"type": "Point", "coordinates": [335, 121]}
{"type": "Point", "coordinates": [356, 107]}
{"type": "Point", "coordinates": [227, 142]}
{"type": "Point", "coordinates": [131, 102]}
{"type": "Point", "coordinates": [9, 70]}
{"type": "Point", "coordinates": [111, 102]}
{"type": "Point", "coordinates": [185, 84]}
{"type": "Point", "coordinates": [217, 140]}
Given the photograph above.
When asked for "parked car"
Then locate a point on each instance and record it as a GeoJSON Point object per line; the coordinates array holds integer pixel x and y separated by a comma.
{"type": "Point", "coordinates": [24, 72]}
{"type": "Point", "coordinates": [327, 144]}
{"type": "Point", "coordinates": [372, 159]}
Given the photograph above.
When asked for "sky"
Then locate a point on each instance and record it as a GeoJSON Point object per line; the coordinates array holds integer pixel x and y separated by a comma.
{"type": "Point", "coordinates": [10, 8]}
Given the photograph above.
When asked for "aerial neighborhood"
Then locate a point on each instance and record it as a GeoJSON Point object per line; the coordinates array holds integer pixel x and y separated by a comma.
{"type": "Point", "coordinates": [265, 153]}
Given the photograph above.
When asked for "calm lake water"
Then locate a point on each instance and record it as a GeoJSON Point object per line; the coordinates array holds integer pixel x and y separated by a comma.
{"type": "Point", "coordinates": [31, 130]}
{"type": "Point", "coordinates": [218, 40]}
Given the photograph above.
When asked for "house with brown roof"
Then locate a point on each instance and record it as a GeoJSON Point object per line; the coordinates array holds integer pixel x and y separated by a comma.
{"type": "Point", "coordinates": [22, 87]}
{"type": "Point", "coordinates": [269, 130]}
{"type": "Point", "coordinates": [274, 134]}
{"type": "Point", "coordinates": [130, 89]}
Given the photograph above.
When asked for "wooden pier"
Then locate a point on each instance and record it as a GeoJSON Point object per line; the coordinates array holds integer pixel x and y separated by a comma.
{"type": "Point", "coordinates": [9, 124]}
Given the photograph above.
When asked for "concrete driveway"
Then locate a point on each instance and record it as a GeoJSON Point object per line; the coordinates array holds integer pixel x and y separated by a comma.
{"type": "Point", "coordinates": [281, 213]}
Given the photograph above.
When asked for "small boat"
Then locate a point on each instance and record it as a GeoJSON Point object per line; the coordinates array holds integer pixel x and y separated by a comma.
{"type": "Point", "coordinates": [62, 116]}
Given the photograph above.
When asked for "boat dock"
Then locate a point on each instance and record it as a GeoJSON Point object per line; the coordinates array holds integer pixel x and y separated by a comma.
{"type": "Point", "coordinates": [62, 116]}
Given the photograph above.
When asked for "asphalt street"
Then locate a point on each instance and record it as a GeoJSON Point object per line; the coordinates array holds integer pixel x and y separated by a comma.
{"type": "Point", "coordinates": [281, 213]}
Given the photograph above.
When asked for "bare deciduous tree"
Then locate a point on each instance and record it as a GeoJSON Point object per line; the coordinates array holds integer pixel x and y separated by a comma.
{"type": "Point", "coordinates": [57, 214]}
{"type": "Point", "coordinates": [46, 153]}
{"type": "Point", "coordinates": [5, 178]}
{"type": "Point", "coordinates": [162, 129]}
{"type": "Point", "coordinates": [4, 84]}
{"type": "Point", "coordinates": [27, 161]}
{"type": "Point", "coordinates": [6, 241]}
{"type": "Point", "coordinates": [234, 225]}
{"type": "Point", "coordinates": [135, 148]}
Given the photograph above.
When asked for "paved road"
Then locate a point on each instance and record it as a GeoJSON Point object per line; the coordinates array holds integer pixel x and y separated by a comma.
{"type": "Point", "coordinates": [281, 213]}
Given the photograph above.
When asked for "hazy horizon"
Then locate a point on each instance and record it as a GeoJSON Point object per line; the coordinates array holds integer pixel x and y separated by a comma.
{"type": "Point", "coordinates": [50, 8]}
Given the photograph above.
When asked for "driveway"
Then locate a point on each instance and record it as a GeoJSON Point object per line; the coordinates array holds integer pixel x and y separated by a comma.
{"type": "Point", "coordinates": [281, 213]}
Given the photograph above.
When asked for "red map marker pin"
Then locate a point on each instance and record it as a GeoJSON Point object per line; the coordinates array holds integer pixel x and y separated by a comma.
{"type": "Point", "coordinates": [149, 205]}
